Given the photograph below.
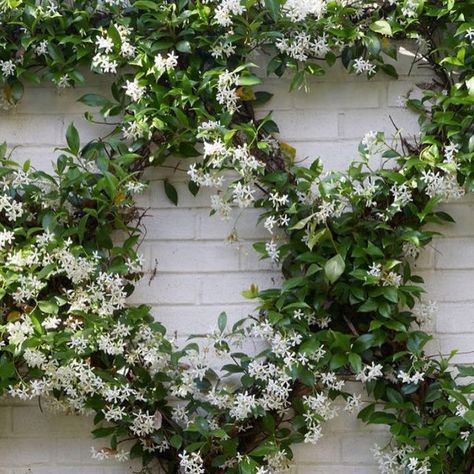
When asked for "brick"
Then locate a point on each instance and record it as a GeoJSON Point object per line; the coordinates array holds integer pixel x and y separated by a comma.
{"type": "Point", "coordinates": [5, 420]}
{"type": "Point", "coordinates": [462, 212]}
{"type": "Point", "coordinates": [340, 96]}
{"type": "Point", "coordinates": [49, 101]}
{"type": "Point", "coordinates": [462, 343]}
{"type": "Point", "coordinates": [425, 260]}
{"type": "Point", "coordinates": [227, 287]}
{"type": "Point", "coordinates": [453, 318]}
{"type": "Point", "coordinates": [18, 129]}
{"type": "Point", "coordinates": [41, 157]}
{"type": "Point", "coordinates": [336, 469]}
{"type": "Point", "coordinates": [170, 224]}
{"type": "Point", "coordinates": [448, 285]}
{"type": "Point", "coordinates": [397, 89]}
{"type": "Point", "coordinates": [159, 200]}
{"type": "Point", "coordinates": [455, 253]}
{"type": "Point", "coordinates": [31, 421]}
{"type": "Point", "coordinates": [24, 451]}
{"type": "Point", "coordinates": [356, 448]}
{"type": "Point", "coordinates": [87, 131]}
{"type": "Point", "coordinates": [306, 125]}
{"type": "Point", "coordinates": [186, 320]}
{"type": "Point", "coordinates": [243, 226]}
{"type": "Point", "coordinates": [250, 260]}
{"type": "Point", "coordinates": [358, 122]}
{"type": "Point", "coordinates": [327, 449]}
{"type": "Point", "coordinates": [166, 289]}
{"type": "Point", "coordinates": [335, 154]}
{"type": "Point", "coordinates": [200, 257]}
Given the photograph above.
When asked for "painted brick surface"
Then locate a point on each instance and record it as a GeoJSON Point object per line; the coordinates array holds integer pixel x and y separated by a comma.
{"type": "Point", "coordinates": [199, 273]}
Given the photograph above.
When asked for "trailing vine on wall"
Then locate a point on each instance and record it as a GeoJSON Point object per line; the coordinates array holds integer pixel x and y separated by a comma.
{"type": "Point", "coordinates": [350, 310]}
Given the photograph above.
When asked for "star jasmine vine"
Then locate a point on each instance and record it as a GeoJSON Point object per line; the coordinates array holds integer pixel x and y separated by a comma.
{"type": "Point", "coordinates": [343, 333]}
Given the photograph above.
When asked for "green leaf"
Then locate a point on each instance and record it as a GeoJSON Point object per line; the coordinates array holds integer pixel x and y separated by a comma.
{"type": "Point", "coordinates": [147, 5]}
{"type": "Point", "coordinates": [356, 362]}
{"type": "Point", "coordinates": [382, 27]}
{"type": "Point", "coordinates": [469, 417]}
{"type": "Point", "coordinates": [266, 448]}
{"type": "Point", "coordinates": [193, 188]}
{"type": "Point", "coordinates": [222, 321]}
{"type": "Point", "coordinates": [248, 466]}
{"type": "Point", "coordinates": [337, 361]}
{"type": "Point", "coordinates": [94, 100]}
{"type": "Point", "coordinates": [171, 192]}
{"type": "Point", "coordinates": [293, 283]}
{"type": "Point", "coordinates": [273, 7]}
{"type": "Point", "coordinates": [184, 47]}
{"type": "Point", "coordinates": [250, 80]}
{"type": "Point", "coordinates": [302, 223]}
{"type": "Point", "coordinates": [416, 341]}
{"type": "Point", "coordinates": [49, 307]}
{"type": "Point", "coordinates": [380, 417]}
{"type": "Point", "coordinates": [72, 138]}
{"type": "Point", "coordinates": [334, 268]}
{"type": "Point", "coordinates": [16, 91]}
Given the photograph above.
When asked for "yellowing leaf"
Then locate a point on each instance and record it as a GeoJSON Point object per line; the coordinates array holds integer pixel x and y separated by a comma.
{"type": "Point", "coordinates": [13, 316]}
{"type": "Point", "coordinates": [251, 293]}
{"type": "Point", "coordinates": [288, 150]}
{"type": "Point", "coordinates": [245, 93]}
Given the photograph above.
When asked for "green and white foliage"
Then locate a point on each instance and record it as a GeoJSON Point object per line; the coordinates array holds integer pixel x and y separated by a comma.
{"type": "Point", "coordinates": [350, 309]}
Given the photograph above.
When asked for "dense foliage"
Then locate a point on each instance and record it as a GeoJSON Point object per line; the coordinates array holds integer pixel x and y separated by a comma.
{"type": "Point", "coordinates": [350, 310]}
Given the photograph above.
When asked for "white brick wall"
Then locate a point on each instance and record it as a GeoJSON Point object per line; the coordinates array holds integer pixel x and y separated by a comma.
{"type": "Point", "coordinates": [199, 274]}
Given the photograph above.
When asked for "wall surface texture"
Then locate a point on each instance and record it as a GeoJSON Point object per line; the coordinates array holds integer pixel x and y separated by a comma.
{"type": "Point", "coordinates": [199, 273]}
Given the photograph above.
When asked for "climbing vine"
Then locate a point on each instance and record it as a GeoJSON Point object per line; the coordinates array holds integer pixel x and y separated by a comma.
{"type": "Point", "coordinates": [350, 310]}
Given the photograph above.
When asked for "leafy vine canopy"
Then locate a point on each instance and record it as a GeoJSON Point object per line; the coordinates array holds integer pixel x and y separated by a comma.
{"type": "Point", "coordinates": [350, 309]}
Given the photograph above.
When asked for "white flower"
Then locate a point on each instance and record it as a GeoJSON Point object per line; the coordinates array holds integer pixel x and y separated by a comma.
{"type": "Point", "coordinates": [375, 270]}
{"type": "Point", "coordinates": [41, 48]}
{"type": "Point", "coordinates": [191, 463]}
{"type": "Point", "coordinates": [34, 358]}
{"type": "Point", "coordinates": [353, 403]}
{"type": "Point", "coordinates": [166, 64]}
{"type": "Point", "coordinates": [470, 34]}
{"type": "Point", "coordinates": [269, 223]}
{"type": "Point", "coordinates": [272, 250]}
{"type": "Point", "coordinates": [6, 237]}
{"type": "Point", "coordinates": [99, 454]}
{"type": "Point", "coordinates": [226, 9]}
{"type": "Point", "coordinates": [8, 68]}
{"type": "Point", "coordinates": [106, 44]}
{"type": "Point", "coordinates": [406, 378]}
{"type": "Point", "coordinates": [299, 10]}
{"type": "Point", "coordinates": [226, 91]}
{"type": "Point", "coordinates": [134, 90]}
{"type": "Point", "coordinates": [63, 82]}
{"type": "Point", "coordinates": [243, 195]}
{"type": "Point", "coordinates": [143, 423]}
{"type": "Point", "coordinates": [127, 50]}
{"type": "Point", "coordinates": [135, 187]}
{"type": "Point", "coordinates": [221, 206]}
{"type": "Point", "coordinates": [122, 456]}
{"type": "Point", "coordinates": [278, 200]}
{"type": "Point", "coordinates": [392, 279]}
{"type": "Point", "coordinates": [362, 65]}
{"type": "Point", "coordinates": [19, 331]}
{"type": "Point", "coordinates": [104, 64]}
{"type": "Point", "coordinates": [370, 372]}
